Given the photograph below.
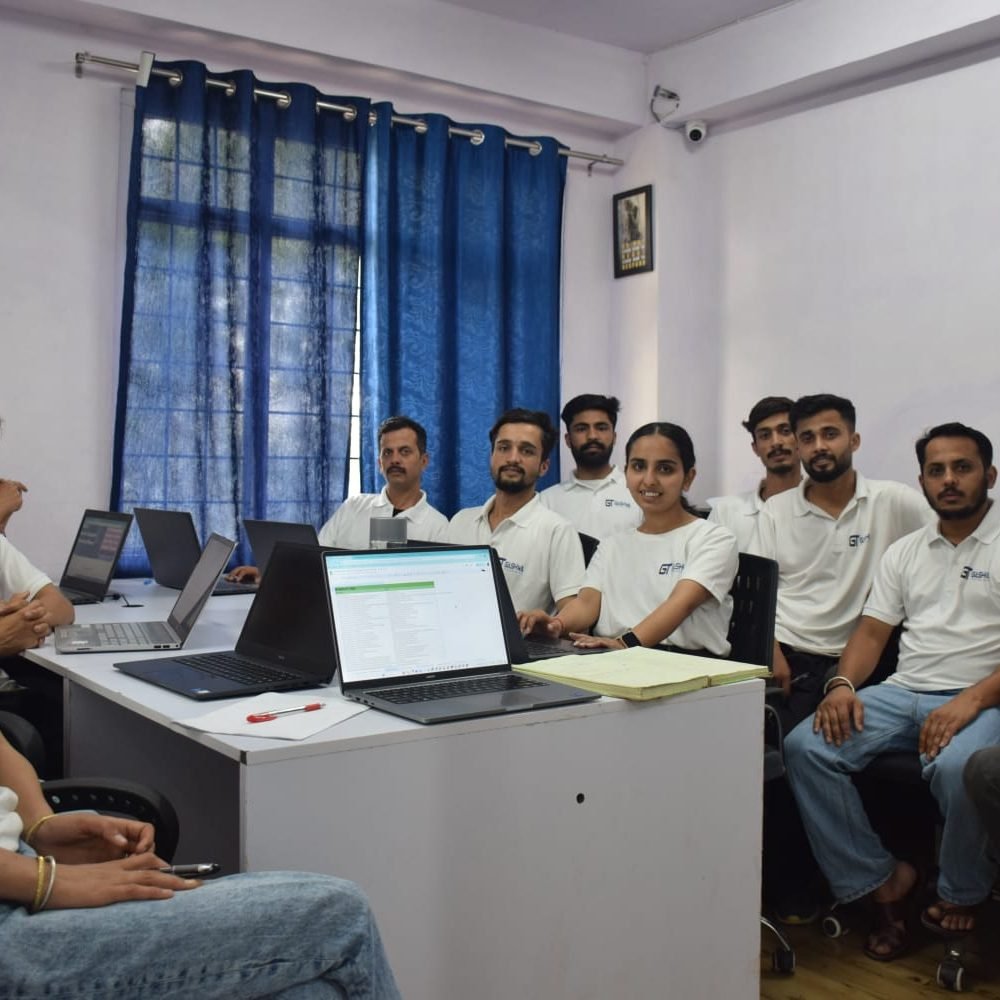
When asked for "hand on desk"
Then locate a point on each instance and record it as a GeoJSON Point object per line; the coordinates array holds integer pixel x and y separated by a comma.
{"type": "Point", "coordinates": [23, 624]}
{"type": "Point", "coordinates": [78, 838]}
{"type": "Point", "coordinates": [136, 877]}
{"type": "Point", "coordinates": [244, 574]}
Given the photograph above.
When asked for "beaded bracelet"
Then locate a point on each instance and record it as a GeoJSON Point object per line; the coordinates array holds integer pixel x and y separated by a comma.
{"type": "Point", "coordinates": [33, 829]}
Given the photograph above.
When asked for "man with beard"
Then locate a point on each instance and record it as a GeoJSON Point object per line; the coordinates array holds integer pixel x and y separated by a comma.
{"type": "Point", "coordinates": [943, 585]}
{"type": "Point", "coordinates": [827, 536]}
{"type": "Point", "coordinates": [595, 499]}
{"type": "Point", "coordinates": [773, 442]}
{"type": "Point", "coordinates": [540, 551]}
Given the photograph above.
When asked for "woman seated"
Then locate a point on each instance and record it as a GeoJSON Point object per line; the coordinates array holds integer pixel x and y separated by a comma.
{"type": "Point", "coordinates": [65, 929]}
{"type": "Point", "coordinates": [667, 582]}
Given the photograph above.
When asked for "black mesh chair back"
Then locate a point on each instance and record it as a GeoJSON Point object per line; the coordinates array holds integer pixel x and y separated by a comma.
{"type": "Point", "coordinates": [755, 596]}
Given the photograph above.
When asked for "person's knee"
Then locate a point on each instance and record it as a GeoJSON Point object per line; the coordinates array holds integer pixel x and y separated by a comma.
{"type": "Point", "coordinates": [804, 749]}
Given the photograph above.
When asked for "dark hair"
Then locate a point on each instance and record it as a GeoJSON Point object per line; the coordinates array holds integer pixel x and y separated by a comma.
{"type": "Point", "coordinates": [539, 418]}
{"type": "Point", "coordinates": [672, 432]}
{"type": "Point", "coordinates": [769, 406]}
{"type": "Point", "coordinates": [403, 424]}
{"type": "Point", "coordinates": [591, 401]}
{"type": "Point", "coordinates": [956, 430]}
{"type": "Point", "coordinates": [809, 406]}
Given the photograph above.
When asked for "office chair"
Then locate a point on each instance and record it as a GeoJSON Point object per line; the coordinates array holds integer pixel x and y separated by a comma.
{"type": "Point", "coordinates": [751, 638]}
{"type": "Point", "coordinates": [113, 796]}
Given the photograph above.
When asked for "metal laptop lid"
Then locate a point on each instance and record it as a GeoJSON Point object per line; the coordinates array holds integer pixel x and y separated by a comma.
{"type": "Point", "coordinates": [94, 555]}
{"type": "Point", "coordinates": [413, 614]}
{"type": "Point", "coordinates": [198, 587]}
{"type": "Point", "coordinates": [171, 543]}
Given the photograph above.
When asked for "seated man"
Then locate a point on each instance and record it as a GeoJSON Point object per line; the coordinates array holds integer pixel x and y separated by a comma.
{"type": "Point", "coordinates": [540, 551]}
{"type": "Point", "coordinates": [773, 442]}
{"type": "Point", "coordinates": [64, 933]}
{"type": "Point", "coordinates": [942, 583]}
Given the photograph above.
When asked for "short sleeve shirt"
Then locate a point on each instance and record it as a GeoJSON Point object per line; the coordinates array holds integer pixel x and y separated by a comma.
{"type": "Point", "coordinates": [349, 529]}
{"type": "Point", "coordinates": [739, 514]}
{"type": "Point", "coordinates": [17, 574]}
{"type": "Point", "coordinates": [597, 507]}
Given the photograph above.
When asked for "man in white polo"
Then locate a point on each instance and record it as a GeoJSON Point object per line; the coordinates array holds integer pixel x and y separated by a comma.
{"type": "Point", "coordinates": [402, 458]}
{"type": "Point", "coordinates": [943, 584]}
{"type": "Point", "coordinates": [594, 499]}
{"type": "Point", "coordinates": [773, 442]}
{"type": "Point", "coordinates": [540, 551]}
{"type": "Point", "coordinates": [827, 536]}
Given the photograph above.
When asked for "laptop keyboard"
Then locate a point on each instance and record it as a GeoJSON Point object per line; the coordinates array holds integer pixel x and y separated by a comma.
{"type": "Point", "coordinates": [236, 668]}
{"type": "Point", "coordinates": [435, 690]}
{"type": "Point", "coordinates": [130, 634]}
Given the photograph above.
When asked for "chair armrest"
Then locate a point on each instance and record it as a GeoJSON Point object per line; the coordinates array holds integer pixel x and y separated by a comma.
{"type": "Point", "coordinates": [119, 798]}
{"type": "Point", "coordinates": [24, 738]}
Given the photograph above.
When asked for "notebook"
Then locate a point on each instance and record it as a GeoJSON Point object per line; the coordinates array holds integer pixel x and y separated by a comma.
{"type": "Point", "coordinates": [121, 637]}
{"type": "Point", "coordinates": [264, 535]}
{"type": "Point", "coordinates": [94, 555]}
{"type": "Point", "coordinates": [418, 633]}
{"type": "Point", "coordinates": [173, 548]}
{"type": "Point", "coordinates": [285, 644]}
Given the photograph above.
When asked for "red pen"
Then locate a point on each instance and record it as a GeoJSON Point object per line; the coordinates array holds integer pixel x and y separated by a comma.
{"type": "Point", "coordinates": [268, 716]}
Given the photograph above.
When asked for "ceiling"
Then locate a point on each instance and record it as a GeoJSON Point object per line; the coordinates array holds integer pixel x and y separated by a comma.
{"type": "Point", "coordinates": [640, 25]}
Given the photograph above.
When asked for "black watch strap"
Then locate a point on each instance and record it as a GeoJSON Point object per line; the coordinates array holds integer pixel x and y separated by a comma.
{"type": "Point", "coordinates": [630, 639]}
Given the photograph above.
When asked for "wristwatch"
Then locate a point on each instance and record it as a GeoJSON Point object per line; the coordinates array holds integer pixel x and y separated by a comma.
{"type": "Point", "coordinates": [630, 639]}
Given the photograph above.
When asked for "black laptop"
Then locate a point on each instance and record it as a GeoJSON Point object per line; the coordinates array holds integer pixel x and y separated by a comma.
{"type": "Point", "coordinates": [94, 555]}
{"type": "Point", "coordinates": [264, 535]}
{"type": "Point", "coordinates": [172, 546]}
{"type": "Point", "coordinates": [286, 642]}
{"type": "Point", "coordinates": [418, 633]}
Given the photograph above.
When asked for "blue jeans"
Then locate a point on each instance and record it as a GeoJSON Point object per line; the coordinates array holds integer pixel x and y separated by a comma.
{"type": "Point", "coordinates": [852, 857]}
{"type": "Point", "coordinates": [270, 934]}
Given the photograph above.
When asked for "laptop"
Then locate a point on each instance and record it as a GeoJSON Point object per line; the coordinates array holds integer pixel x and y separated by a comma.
{"type": "Point", "coordinates": [264, 535]}
{"type": "Point", "coordinates": [286, 642]}
{"type": "Point", "coordinates": [125, 637]}
{"type": "Point", "coordinates": [172, 546]}
{"type": "Point", "coordinates": [418, 633]}
{"type": "Point", "coordinates": [94, 555]}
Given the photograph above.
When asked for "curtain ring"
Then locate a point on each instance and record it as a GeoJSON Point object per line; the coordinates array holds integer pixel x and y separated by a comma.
{"type": "Point", "coordinates": [536, 148]}
{"type": "Point", "coordinates": [176, 78]}
{"type": "Point", "coordinates": [284, 99]}
{"type": "Point", "coordinates": [478, 137]}
{"type": "Point", "coordinates": [420, 128]}
{"type": "Point", "coordinates": [230, 90]}
{"type": "Point", "coordinates": [350, 114]}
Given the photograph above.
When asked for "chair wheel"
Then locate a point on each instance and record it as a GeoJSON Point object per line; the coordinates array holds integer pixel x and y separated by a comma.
{"type": "Point", "coordinates": [832, 926]}
{"type": "Point", "coordinates": [783, 961]}
{"type": "Point", "coordinates": [951, 975]}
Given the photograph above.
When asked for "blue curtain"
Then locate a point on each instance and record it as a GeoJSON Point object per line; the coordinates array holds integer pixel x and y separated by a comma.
{"type": "Point", "coordinates": [460, 293]}
{"type": "Point", "coordinates": [239, 313]}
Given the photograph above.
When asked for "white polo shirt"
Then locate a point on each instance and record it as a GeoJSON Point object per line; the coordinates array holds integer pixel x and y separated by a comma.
{"type": "Point", "coordinates": [636, 572]}
{"type": "Point", "coordinates": [17, 574]}
{"type": "Point", "coordinates": [540, 551]}
{"type": "Point", "coordinates": [348, 528]}
{"type": "Point", "coordinates": [949, 597]}
{"type": "Point", "coordinates": [597, 507]}
{"type": "Point", "coordinates": [826, 564]}
{"type": "Point", "coordinates": [739, 514]}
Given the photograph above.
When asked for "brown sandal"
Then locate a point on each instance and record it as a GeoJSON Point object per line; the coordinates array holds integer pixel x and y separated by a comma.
{"type": "Point", "coordinates": [889, 931]}
{"type": "Point", "coordinates": [935, 924]}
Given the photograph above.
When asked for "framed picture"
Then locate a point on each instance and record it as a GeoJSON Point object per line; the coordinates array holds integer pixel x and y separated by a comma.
{"type": "Point", "coordinates": [632, 218]}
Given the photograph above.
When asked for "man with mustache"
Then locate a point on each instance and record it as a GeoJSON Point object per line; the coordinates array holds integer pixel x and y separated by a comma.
{"type": "Point", "coordinates": [402, 458]}
{"type": "Point", "coordinates": [540, 551]}
{"type": "Point", "coordinates": [773, 442]}
{"type": "Point", "coordinates": [594, 499]}
{"type": "Point", "coordinates": [942, 584]}
{"type": "Point", "coordinates": [827, 536]}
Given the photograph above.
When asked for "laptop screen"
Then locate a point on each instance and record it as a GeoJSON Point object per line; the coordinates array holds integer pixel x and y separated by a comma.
{"type": "Point", "coordinates": [95, 551]}
{"type": "Point", "coordinates": [199, 586]}
{"type": "Point", "coordinates": [404, 612]}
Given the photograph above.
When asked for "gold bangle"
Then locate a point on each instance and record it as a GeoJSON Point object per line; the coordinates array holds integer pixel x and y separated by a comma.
{"type": "Point", "coordinates": [39, 885]}
{"type": "Point", "coordinates": [33, 829]}
{"type": "Point", "coordinates": [48, 889]}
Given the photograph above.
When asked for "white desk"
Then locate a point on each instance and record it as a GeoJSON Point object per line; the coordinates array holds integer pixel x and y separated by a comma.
{"type": "Point", "coordinates": [604, 850]}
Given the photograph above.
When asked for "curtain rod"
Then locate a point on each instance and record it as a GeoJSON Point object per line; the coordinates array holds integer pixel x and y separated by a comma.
{"type": "Point", "coordinates": [284, 99]}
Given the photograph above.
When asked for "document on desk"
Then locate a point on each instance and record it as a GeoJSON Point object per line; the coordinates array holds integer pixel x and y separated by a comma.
{"type": "Point", "coordinates": [641, 674]}
{"type": "Point", "coordinates": [232, 720]}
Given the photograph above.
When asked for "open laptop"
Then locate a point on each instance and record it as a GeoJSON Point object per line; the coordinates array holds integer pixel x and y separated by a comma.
{"type": "Point", "coordinates": [286, 642]}
{"type": "Point", "coordinates": [172, 546]}
{"type": "Point", "coordinates": [126, 637]}
{"type": "Point", "coordinates": [418, 633]}
{"type": "Point", "coordinates": [264, 535]}
{"type": "Point", "coordinates": [94, 555]}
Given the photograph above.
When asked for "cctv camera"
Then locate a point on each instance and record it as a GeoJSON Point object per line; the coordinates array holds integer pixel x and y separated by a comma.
{"type": "Point", "coordinates": [695, 131]}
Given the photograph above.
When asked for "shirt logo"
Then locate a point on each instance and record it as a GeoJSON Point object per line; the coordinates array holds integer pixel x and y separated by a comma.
{"type": "Point", "coordinates": [970, 573]}
{"type": "Point", "coordinates": [617, 503]}
{"type": "Point", "coordinates": [856, 541]}
{"type": "Point", "coordinates": [513, 566]}
{"type": "Point", "coordinates": [671, 568]}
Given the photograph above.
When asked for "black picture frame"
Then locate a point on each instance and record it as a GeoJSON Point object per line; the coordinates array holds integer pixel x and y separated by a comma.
{"type": "Point", "coordinates": [632, 226]}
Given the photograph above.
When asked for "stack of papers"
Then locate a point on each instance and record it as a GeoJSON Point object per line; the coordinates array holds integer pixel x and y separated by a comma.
{"type": "Point", "coordinates": [231, 718]}
{"type": "Point", "coordinates": [642, 674]}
